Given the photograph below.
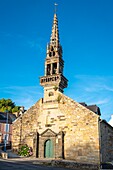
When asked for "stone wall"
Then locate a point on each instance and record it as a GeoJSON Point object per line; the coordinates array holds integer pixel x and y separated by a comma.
{"type": "Point", "coordinates": [106, 141]}
{"type": "Point", "coordinates": [81, 140]}
{"type": "Point", "coordinates": [79, 125]}
{"type": "Point", "coordinates": [25, 128]}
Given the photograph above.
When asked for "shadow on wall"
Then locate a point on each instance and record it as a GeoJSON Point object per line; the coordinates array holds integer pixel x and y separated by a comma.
{"type": "Point", "coordinates": [83, 152]}
{"type": "Point", "coordinates": [31, 141]}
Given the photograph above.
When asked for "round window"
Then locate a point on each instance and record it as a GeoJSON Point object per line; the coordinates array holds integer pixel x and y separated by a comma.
{"type": "Point", "coordinates": [51, 93]}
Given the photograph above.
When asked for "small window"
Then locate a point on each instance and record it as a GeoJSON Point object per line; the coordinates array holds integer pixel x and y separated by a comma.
{"type": "Point", "coordinates": [51, 48]}
{"type": "Point", "coordinates": [51, 94]}
{"type": "Point", "coordinates": [54, 71]}
{"type": "Point", "coordinates": [6, 138]}
{"type": "Point", "coordinates": [53, 53]}
{"type": "Point", "coordinates": [48, 69]}
{"type": "Point", "coordinates": [6, 128]}
{"type": "Point", "coordinates": [50, 54]}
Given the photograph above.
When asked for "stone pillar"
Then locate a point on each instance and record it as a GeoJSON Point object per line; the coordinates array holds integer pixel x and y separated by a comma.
{"type": "Point", "coordinates": [41, 147]}
{"type": "Point", "coordinates": [60, 145]}
{"type": "Point", "coordinates": [35, 144]}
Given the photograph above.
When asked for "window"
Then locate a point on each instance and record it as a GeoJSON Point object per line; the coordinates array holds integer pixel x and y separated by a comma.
{"type": "Point", "coordinates": [54, 68]}
{"type": "Point", "coordinates": [51, 94]}
{"type": "Point", "coordinates": [5, 137]}
{"type": "Point", "coordinates": [48, 69]}
{"type": "Point", "coordinates": [6, 128]}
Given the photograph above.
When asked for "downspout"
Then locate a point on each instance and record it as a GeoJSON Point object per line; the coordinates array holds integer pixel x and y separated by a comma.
{"type": "Point", "coordinates": [100, 153]}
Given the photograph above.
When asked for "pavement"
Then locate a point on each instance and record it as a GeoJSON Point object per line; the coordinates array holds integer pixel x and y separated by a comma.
{"type": "Point", "coordinates": [13, 157]}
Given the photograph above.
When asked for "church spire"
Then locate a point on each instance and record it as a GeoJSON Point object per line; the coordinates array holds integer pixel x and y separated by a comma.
{"type": "Point", "coordinates": [54, 64]}
{"type": "Point", "coordinates": [54, 40]}
{"type": "Point", "coordinates": [54, 48]}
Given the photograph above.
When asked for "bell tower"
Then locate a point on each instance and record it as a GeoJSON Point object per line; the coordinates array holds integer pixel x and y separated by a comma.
{"type": "Point", "coordinates": [53, 80]}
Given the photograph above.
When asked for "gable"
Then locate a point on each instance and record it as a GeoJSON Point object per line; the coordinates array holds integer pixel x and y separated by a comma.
{"type": "Point", "coordinates": [48, 132]}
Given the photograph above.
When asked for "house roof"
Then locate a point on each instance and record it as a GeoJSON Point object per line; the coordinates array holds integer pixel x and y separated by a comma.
{"type": "Point", "coordinates": [93, 108]}
{"type": "Point", "coordinates": [3, 117]}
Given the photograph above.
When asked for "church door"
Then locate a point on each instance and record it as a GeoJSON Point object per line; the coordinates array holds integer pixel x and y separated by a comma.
{"type": "Point", "coordinates": [48, 149]}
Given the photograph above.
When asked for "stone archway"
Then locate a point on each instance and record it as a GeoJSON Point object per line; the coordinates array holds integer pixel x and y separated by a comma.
{"type": "Point", "coordinates": [50, 144]}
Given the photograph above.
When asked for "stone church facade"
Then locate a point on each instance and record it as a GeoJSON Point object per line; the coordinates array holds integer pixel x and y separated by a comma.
{"type": "Point", "coordinates": [59, 127]}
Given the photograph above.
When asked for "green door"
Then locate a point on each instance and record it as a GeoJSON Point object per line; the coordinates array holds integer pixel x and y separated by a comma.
{"type": "Point", "coordinates": [48, 149]}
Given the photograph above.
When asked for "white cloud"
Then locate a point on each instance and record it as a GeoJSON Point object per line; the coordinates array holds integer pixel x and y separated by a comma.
{"type": "Point", "coordinates": [89, 89]}
{"type": "Point", "coordinates": [94, 90]}
{"type": "Point", "coordinates": [35, 44]}
{"type": "Point", "coordinates": [109, 88]}
{"type": "Point", "coordinates": [111, 121]}
{"type": "Point", "coordinates": [99, 102]}
{"type": "Point", "coordinates": [22, 95]}
{"type": "Point", "coordinates": [25, 41]}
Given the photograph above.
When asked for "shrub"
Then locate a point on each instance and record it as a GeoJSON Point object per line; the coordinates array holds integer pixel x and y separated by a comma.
{"type": "Point", "coordinates": [59, 98]}
{"type": "Point", "coordinates": [25, 151]}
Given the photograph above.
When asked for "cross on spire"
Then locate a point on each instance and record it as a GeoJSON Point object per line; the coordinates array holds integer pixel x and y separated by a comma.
{"type": "Point", "coordinates": [55, 6]}
{"type": "Point", "coordinates": [54, 65]}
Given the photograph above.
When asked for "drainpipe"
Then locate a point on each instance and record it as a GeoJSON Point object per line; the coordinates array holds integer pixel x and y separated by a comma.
{"type": "Point", "coordinates": [99, 122]}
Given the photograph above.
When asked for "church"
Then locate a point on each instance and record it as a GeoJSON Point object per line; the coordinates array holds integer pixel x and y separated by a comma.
{"type": "Point", "coordinates": [57, 126]}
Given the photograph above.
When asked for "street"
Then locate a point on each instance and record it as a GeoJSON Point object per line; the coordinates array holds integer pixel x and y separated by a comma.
{"type": "Point", "coordinates": [24, 165]}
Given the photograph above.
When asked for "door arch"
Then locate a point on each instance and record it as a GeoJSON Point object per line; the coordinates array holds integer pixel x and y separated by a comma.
{"type": "Point", "coordinates": [48, 149]}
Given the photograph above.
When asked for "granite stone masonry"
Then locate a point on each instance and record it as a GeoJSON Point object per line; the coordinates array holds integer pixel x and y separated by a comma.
{"type": "Point", "coordinates": [57, 127]}
{"type": "Point", "coordinates": [71, 127]}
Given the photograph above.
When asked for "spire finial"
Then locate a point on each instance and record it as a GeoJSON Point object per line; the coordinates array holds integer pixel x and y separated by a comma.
{"type": "Point", "coordinates": [55, 7]}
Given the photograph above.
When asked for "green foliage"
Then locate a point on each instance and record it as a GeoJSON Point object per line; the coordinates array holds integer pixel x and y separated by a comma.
{"type": "Point", "coordinates": [59, 98]}
{"type": "Point", "coordinates": [15, 109]}
{"type": "Point", "coordinates": [7, 104]}
{"type": "Point", "coordinates": [25, 151]}
{"type": "Point", "coordinates": [55, 88]}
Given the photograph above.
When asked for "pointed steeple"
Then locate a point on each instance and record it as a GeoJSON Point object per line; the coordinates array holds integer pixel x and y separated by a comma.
{"type": "Point", "coordinates": [54, 64]}
{"type": "Point", "coordinates": [54, 40]}
{"type": "Point", "coordinates": [54, 49]}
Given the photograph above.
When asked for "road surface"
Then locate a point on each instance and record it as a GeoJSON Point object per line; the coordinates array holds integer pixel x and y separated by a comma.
{"type": "Point", "coordinates": [25, 165]}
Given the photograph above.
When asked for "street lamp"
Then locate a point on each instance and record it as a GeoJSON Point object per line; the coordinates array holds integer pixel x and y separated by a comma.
{"type": "Point", "coordinates": [5, 141]}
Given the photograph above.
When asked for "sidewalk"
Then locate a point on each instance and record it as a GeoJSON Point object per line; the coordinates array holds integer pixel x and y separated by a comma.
{"type": "Point", "coordinates": [12, 155]}
{"type": "Point", "coordinates": [51, 162]}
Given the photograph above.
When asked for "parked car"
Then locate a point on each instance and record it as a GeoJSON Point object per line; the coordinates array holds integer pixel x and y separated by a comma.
{"type": "Point", "coordinates": [107, 165]}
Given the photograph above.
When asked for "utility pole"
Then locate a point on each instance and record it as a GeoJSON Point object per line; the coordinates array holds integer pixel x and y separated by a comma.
{"type": "Point", "coordinates": [5, 141]}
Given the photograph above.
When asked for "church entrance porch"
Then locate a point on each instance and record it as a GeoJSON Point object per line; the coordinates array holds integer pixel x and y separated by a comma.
{"type": "Point", "coordinates": [50, 144]}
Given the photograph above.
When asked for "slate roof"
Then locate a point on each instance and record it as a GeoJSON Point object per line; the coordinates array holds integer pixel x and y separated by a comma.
{"type": "Point", "coordinates": [93, 108]}
{"type": "Point", "coordinates": [3, 117]}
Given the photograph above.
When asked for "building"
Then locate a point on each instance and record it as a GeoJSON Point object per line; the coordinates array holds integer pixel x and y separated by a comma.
{"type": "Point", "coordinates": [59, 127]}
{"type": "Point", "coordinates": [6, 127]}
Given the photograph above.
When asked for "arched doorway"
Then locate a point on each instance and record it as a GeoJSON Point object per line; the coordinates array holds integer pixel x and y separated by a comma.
{"type": "Point", "coordinates": [48, 149]}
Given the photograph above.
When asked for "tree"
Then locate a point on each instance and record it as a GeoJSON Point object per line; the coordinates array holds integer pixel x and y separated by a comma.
{"type": "Point", "coordinates": [7, 104]}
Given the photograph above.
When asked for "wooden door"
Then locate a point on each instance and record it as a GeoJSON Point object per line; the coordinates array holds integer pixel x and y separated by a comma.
{"type": "Point", "coordinates": [48, 149]}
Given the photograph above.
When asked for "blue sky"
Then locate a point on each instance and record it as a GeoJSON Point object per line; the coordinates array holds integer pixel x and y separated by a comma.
{"type": "Point", "coordinates": [86, 35]}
